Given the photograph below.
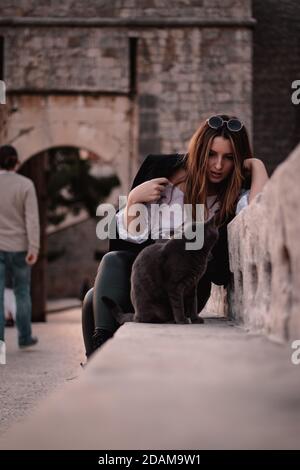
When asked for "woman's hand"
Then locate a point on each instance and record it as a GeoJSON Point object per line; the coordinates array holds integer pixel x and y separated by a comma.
{"type": "Point", "coordinates": [150, 191]}
{"type": "Point", "coordinates": [259, 175]}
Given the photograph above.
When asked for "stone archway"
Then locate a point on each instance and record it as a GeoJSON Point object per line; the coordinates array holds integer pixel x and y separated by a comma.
{"type": "Point", "coordinates": [103, 125]}
{"type": "Point", "coordinates": [67, 211]}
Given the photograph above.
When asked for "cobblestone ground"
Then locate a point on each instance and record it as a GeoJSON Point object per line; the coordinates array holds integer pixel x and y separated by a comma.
{"type": "Point", "coordinates": [29, 376]}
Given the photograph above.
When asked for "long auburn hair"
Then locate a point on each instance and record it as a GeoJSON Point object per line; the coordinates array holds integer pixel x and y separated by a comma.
{"type": "Point", "coordinates": [196, 162]}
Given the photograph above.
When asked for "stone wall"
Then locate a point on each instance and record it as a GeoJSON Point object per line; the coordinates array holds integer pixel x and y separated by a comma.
{"type": "Point", "coordinates": [181, 73]}
{"type": "Point", "coordinates": [126, 8]}
{"type": "Point", "coordinates": [62, 59]}
{"type": "Point", "coordinates": [78, 264]}
{"type": "Point", "coordinates": [50, 56]}
{"type": "Point", "coordinates": [265, 256]}
{"type": "Point", "coordinates": [276, 64]}
{"type": "Point", "coordinates": [178, 74]}
{"type": "Point", "coordinates": [184, 76]}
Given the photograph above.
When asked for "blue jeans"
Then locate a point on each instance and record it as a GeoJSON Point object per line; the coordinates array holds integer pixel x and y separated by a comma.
{"type": "Point", "coordinates": [20, 272]}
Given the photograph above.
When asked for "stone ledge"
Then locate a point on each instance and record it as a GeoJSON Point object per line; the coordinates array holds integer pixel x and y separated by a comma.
{"type": "Point", "coordinates": [265, 256]}
{"type": "Point", "coordinates": [210, 386]}
{"type": "Point", "coordinates": [129, 22]}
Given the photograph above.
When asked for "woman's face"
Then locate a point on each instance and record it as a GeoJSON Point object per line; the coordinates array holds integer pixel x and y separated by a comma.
{"type": "Point", "coordinates": [220, 160]}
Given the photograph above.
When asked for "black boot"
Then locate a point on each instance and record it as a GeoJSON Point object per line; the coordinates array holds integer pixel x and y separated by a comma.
{"type": "Point", "coordinates": [100, 337]}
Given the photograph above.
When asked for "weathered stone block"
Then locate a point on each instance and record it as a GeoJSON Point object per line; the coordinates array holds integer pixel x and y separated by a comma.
{"type": "Point", "coordinates": [265, 256]}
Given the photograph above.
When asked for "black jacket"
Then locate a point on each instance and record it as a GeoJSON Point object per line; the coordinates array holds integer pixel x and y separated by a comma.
{"type": "Point", "coordinates": [157, 166]}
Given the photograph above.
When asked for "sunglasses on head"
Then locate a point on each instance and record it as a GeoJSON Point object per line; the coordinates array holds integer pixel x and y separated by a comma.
{"type": "Point", "coordinates": [233, 124]}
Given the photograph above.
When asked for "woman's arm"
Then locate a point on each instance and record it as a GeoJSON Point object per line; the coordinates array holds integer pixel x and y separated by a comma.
{"type": "Point", "coordinates": [149, 191]}
{"type": "Point", "coordinates": [259, 176]}
{"type": "Point", "coordinates": [143, 194]}
{"type": "Point", "coordinates": [134, 237]}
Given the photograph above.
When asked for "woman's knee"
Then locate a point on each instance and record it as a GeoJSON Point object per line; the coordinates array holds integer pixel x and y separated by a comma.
{"type": "Point", "coordinates": [115, 269]}
{"type": "Point", "coordinates": [87, 306]}
{"type": "Point", "coordinates": [88, 298]}
{"type": "Point", "coordinates": [115, 259]}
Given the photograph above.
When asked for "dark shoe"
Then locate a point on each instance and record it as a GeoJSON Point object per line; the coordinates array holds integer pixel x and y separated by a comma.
{"type": "Point", "coordinates": [32, 342]}
{"type": "Point", "coordinates": [100, 337]}
{"type": "Point", "coordinates": [198, 320]}
{"type": "Point", "coordinates": [9, 322]}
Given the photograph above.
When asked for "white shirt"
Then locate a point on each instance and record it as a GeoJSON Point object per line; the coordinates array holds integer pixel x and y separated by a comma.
{"type": "Point", "coordinates": [163, 227]}
{"type": "Point", "coordinates": [243, 200]}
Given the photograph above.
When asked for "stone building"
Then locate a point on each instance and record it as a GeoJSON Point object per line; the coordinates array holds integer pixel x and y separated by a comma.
{"type": "Point", "coordinates": [124, 78]}
{"type": "Point", "coordinates": [276, 64]}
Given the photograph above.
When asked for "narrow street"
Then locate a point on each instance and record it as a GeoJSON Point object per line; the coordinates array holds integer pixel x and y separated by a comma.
{"type": "Point", "coordinates": [30, 376]}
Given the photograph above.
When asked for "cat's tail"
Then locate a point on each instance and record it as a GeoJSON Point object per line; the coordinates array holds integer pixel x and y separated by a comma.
{"type": "Point", "coordinates": [117, 312]}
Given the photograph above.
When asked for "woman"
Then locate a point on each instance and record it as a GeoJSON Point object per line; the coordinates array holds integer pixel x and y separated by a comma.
{"type": "Point", "coordinates": [211, 173]}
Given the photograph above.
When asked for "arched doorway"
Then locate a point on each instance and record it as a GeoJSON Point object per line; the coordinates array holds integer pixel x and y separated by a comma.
{"type": "Point", "coordinates": [70, 182]}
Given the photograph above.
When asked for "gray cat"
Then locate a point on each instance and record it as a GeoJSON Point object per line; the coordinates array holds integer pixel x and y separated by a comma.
{"type": "Point", "coordinates": [164, 280]}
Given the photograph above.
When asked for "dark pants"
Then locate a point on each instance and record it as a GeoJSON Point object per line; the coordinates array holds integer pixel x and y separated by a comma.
{"type": "Point", "coordinates": [15, 262]}
{"type": "Point", "coordinates": [113, 281]}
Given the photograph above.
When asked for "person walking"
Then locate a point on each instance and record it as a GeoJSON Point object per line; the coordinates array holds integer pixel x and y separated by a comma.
{"type": "Point", "coordinates": [19, 241]}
